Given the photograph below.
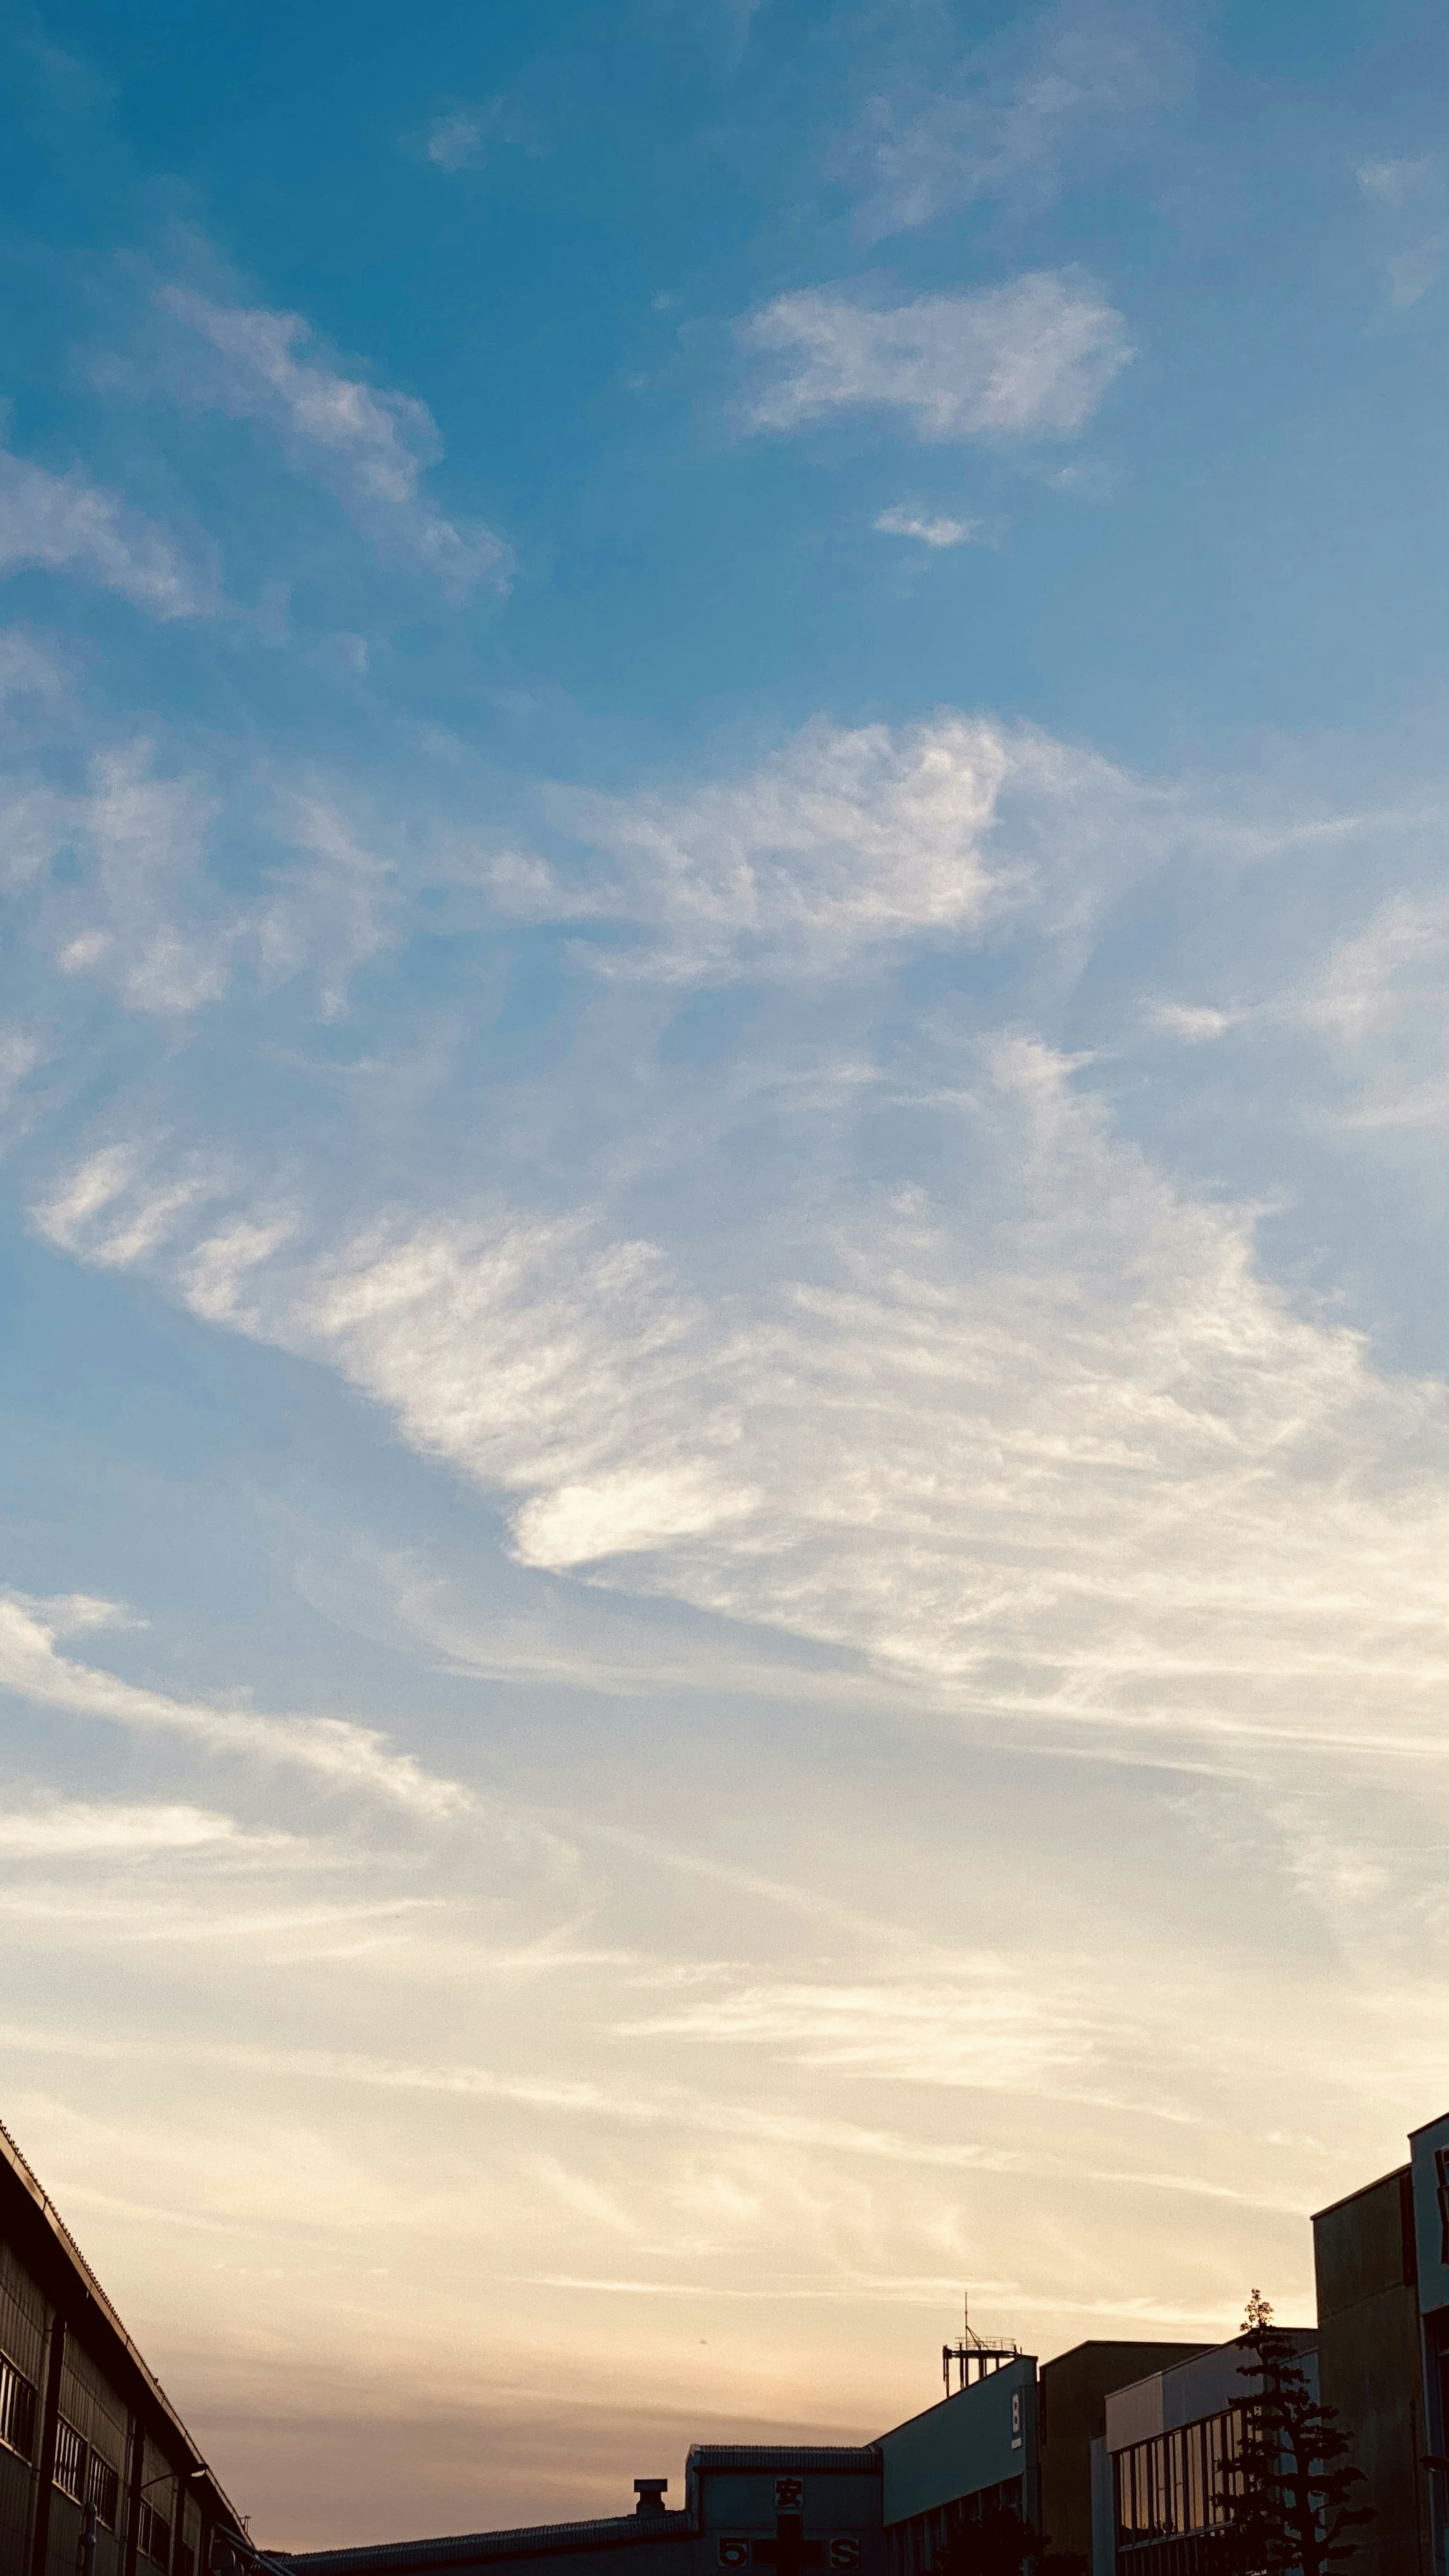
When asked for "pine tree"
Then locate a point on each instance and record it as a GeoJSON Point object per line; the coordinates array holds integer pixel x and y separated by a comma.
{"type": "Point", "coordinates": [1291, 2487]}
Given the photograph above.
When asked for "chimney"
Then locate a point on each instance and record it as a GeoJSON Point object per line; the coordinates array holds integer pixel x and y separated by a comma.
{"type": "Point", "coordinates": [650, 2492]}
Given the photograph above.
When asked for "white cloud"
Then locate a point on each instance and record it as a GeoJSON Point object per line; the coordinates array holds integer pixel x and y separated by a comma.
{"type": "Point", "coordinates": [1017, 118]}
{"type": "Point", "coordinates": [903, 522]}
{"type": "Point", "coordinates": [63, 1828]}
{"type": "Point", "coordinates": [333, 1750]}
{"type": "Point", "coordinates": [1194, 1022]}
{"type": "Point", "coordinates": [368, 448]}
{"type": "Point", "coordinates": [843, 839]}
{"type": "Point", "coordinates": [65, 522]}
{"type": "Point", "coordinates": [125, 890]}
{"type": "Point", "coordinates": [980, 1474]}
{"type": "Point", "coordinates": [1059, 1454]}
{"type": "Point", "coordinates": [1030, 358]}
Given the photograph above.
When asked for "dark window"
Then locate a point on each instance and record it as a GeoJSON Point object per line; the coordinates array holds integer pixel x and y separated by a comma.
{"type": "Point", "coordinates": [17, 2409]}
{"type": "Point", "coordinates": [185, 2559]}
{"type": "Point", "coordinates": [103, 2490]}
{"type": "Point", "coordinates": [70, 2461]}
{"type": "Point", "coordinates": [155, 2536]}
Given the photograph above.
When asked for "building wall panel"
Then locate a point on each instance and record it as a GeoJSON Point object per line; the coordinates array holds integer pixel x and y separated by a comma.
{"type": "Point", "coordinates": [980, 2437]}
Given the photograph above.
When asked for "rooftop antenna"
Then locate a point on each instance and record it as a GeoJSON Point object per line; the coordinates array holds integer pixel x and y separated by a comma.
{"type": "Point", "coordinates": [976, 2356]}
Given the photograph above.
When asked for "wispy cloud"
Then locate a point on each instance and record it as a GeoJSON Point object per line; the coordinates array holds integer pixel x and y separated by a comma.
{"type": "Point", "coordinates": [1376, 999]}
{"type": "Point", "coordinates": [67, 523]}
{"type": "Point", "coordinates": [135, 921]}
{"type": "Point", "coordinates": [656, 2106]}
{"type": "Point", "coordinates": [1018, 118]}
{"type": "Point", "coordinates": [1079, 1463]}
{"type": "Point", "coordinates": [459, 139]}
{"type": "Point", "coordinates": [56, 1828]}
{"type": "Point", "coordinates": [1032, 358]}
{"type": "Point", "coordinates": [993, 2032]}
{"type": "Point", "coordinates": [368, 448]}
{"type": "Point", "coordinates": [1413, 271]}
{"type": "Point", "coordinates": [335, 1751]}
{"type": "Point", "coordinates": [1405, 195]}
{"type": "Point", "coordinates": [1394, 183]}
{"type": "Point", "coordinates": [842, 840]}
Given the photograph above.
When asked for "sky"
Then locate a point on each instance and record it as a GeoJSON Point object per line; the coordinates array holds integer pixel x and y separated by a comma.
{"type": "Point", "coordinates": [722, 1220]}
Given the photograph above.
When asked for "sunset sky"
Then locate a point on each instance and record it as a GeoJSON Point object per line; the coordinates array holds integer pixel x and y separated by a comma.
{"type": "Point", "coordinates": [723, 1087]}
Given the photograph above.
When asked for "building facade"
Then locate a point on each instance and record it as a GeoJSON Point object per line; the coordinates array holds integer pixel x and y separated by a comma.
{"type": "Point", "coordinates": [1161, 2466]}
{"type": "Point", "coordinates": [97, 2471]}
{"type": "Point", "coordinates": [1381, 2263]}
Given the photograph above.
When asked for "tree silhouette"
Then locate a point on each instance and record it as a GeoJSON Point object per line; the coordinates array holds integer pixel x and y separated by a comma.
{"type": "Point", "coordinates": [1290, 2491]}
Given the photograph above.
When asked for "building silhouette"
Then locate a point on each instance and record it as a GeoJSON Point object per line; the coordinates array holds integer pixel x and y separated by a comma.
{"type": "Point", "coordinates": [1116, 2451]}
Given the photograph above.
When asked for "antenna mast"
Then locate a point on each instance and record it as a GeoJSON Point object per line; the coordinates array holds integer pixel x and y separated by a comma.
{"type": "Point", "coordinates": [976, 2357]}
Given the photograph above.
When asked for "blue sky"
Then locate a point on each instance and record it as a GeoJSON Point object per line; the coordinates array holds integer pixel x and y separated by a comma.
{"type": "Point", "coordinates": [723, 1203]}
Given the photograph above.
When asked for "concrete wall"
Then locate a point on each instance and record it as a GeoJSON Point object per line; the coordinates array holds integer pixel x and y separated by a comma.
{"type": "Point", "coordinates": [1369, 2363]}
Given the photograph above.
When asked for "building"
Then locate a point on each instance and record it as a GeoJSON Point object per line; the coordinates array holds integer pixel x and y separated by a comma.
{"type": "Point", "coordinates": [1381, 2263]}
{"type": "Point", "coordinates": [97, 2470]}
{"type": "Point", "coordinates": [791, 2509]}
{"type": "Point", "coordinates": [1115, 2450]}
{"type": "Point", "coordinates": [1012, 2434]}
{"type": "Point", "coordinates": [1158, 2466]}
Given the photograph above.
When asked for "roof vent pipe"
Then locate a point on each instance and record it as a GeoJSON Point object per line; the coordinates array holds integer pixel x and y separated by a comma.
{"type": "Point", "coordinates": [650, 2492]}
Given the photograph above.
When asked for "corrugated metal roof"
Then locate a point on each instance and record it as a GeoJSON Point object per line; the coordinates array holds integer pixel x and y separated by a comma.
{"type": "Point", "coordinates": [861, 2460]}
{"type": "Point", "coordinates": [461, 2549]}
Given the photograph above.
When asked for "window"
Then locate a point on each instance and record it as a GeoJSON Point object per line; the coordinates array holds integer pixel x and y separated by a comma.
{"type": "Point", "coordinates": [103, 2490]}
{"type": "Point", "coordinates": [1177, 2450]}
{"type": "Point", "coordinates": [70, 2461]}
{"type": "Point", "coordinates": [185, 2559]}
{"type": "Point", "coordinates": [1197, 2489]}
{"type": "Point", "coordinates": [17, 2409]}
{"type": "Point", "coordinates": [155, 2536]}
{"type": "Point", "coordinates": [1183, 2482]}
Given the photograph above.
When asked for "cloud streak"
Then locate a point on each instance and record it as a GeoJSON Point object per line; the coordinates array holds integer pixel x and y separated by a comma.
{"type": "Point", "coordinates": [333, 1751]}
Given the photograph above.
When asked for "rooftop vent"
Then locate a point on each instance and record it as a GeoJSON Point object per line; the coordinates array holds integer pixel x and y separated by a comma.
{"type": "Point", "coordinates": [650, 2492]}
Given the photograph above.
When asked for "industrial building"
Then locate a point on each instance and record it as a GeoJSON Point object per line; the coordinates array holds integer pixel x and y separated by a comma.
{"type": "Point", "coordinates": [1114, 2450]}
{"type": "Point", "coordinates": [97, 2471]}
{"type": "Point", "coordinates": [1381, 2268]}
